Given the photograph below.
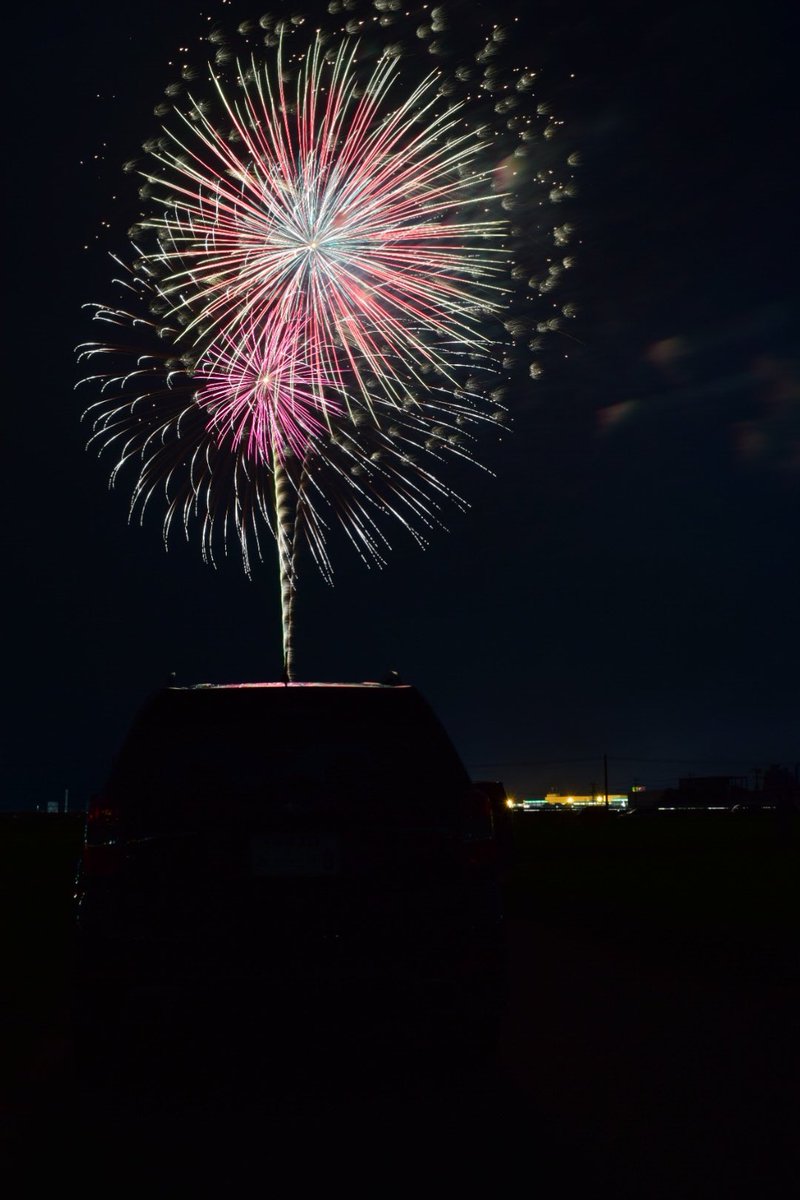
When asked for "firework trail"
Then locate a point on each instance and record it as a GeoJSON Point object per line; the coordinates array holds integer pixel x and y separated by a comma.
{"type": "Point", "coordinates": [337, 261]}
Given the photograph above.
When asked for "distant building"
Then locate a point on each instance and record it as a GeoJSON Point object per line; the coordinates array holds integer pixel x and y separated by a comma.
{"type": "Point", "coordinates": [593, 800]}
{"type": "Point", "coordinates": [554, 801]}
{"type": "Point", "coordinates": [781, 787]}
{"type": "Point", "coordinates": [707, 792]}
{"type": "Point", "coordinates": [645, 799]}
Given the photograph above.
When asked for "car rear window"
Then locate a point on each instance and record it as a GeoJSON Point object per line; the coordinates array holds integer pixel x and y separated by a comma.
{"type": "Point", "coordinates": [237, 753]}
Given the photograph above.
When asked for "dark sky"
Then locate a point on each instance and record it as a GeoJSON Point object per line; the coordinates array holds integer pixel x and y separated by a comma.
{"type": "Point", "coordinates": [627, 584]}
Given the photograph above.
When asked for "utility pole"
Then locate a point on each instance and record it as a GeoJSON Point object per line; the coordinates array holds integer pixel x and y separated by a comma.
{"type": "Point", "coordinates": [605, 777]}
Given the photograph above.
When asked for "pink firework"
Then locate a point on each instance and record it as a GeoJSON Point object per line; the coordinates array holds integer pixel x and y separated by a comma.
{"type": "Point", "coordinates": [333, 209]}
{"type": "Point", "coordinates": [262, 397]}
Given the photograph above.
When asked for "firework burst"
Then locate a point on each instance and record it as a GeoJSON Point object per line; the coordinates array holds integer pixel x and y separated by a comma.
{"type": "Point", "coordinates": [334, 208]}
{"type": "Point", "coordinates": [264, 398]}
{"type": "Point", "coordinates": [329, 284]}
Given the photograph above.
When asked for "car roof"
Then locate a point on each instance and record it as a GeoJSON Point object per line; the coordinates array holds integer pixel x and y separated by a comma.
{"type": "Point", "coordinates": [195, 687]}
{"type": "Point", "coordinates": [267, 700]}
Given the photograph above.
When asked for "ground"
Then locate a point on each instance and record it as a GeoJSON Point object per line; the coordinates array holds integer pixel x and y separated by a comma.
{"type": "Point", "coordinates": [649, 1045]}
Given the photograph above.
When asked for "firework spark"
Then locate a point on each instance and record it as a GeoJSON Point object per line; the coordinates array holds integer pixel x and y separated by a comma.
{"type": "Point", "coordinates": [327, 278]}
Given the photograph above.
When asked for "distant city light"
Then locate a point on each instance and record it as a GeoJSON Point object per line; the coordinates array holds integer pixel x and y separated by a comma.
{"type": "Point", "coordinates": [559, 800]}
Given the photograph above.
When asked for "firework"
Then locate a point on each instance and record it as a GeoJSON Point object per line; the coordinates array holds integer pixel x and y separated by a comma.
{"type": "Point", "coordinates": [264, 399]}
{"type": "Point", "coordinates": [330, 280]}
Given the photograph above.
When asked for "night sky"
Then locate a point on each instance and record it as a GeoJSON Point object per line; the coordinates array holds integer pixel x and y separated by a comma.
{"type": "Point", "coordinates": [628, 582]}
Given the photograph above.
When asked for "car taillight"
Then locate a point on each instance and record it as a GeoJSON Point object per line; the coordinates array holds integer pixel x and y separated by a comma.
{"type": "Point", "coordinates": [102, 852]}
{"type": "Point", "coordinates": [103, 814]}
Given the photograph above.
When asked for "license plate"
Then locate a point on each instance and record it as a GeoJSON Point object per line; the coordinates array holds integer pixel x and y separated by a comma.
{"type": "Point", "coordinates": [282, 857]}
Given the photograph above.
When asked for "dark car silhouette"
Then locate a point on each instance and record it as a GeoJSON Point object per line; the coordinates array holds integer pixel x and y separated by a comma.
{"type": "Point", "coordinates": [290, 863]}
{"type": "Point", "coordinates": [501, 805]}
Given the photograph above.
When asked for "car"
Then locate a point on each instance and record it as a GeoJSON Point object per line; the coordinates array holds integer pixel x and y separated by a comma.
{"type": "Point", "coordinates": [300, 865]}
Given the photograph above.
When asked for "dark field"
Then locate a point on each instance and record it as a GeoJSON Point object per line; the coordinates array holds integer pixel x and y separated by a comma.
{"type": "Point", "coordinates": [649, 1047]}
